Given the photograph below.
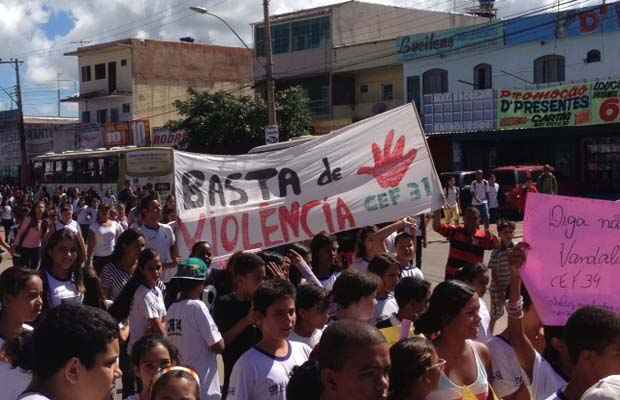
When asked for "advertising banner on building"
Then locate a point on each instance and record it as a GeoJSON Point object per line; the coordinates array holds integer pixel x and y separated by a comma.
{"type": "Point", "coordinates": [431, 44]}
{"type": "Point", "coordinates": [91, 136]}
{"type": "Point", "coordinates": [164, 137]}
{"type": "Point", "coordinates": [39, 139]}
{"type": "Point", "coordinates": [374, 171]}
{"type": "Point", "coordinates": [460, 112]}
{"type": "Point", "coordinates": [590, 103]}
{"type": "Point", "coordinates": [570, 23]}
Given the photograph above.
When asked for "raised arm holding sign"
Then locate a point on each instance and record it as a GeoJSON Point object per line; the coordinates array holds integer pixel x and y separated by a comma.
{"type": "Point", "coordinates": [575, 255]}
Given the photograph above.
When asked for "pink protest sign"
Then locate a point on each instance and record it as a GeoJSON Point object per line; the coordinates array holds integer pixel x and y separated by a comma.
{"type": "Point", "coordinates": [575, 256]}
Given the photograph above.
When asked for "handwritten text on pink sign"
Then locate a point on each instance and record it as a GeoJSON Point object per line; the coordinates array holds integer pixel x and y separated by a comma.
{"type": "Point", "coordinates": [575, 256]}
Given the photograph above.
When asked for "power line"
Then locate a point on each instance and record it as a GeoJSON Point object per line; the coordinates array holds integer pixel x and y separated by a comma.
{"type": "Point", "coordinates": [391, 53]}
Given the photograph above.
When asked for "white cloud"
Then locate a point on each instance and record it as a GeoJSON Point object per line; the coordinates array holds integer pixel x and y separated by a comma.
{"type": "Point", "coordinates": [22, 25]}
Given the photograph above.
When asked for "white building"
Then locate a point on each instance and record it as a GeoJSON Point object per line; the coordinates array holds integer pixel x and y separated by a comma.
{"type": "Point", "coordinates": [456, 78]}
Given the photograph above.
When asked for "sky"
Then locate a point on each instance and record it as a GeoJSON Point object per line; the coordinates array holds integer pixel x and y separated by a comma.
{"type": "Point", "coordinates": [39, 32]}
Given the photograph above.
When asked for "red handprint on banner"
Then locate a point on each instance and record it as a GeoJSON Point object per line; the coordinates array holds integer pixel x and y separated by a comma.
{"type": "Point", "coordinates": [390, 165]}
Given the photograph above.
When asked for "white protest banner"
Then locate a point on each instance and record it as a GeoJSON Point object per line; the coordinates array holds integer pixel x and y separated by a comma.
{"type": "Point", "coordinates": [575, 256]}
{"type": "Point", "coordinates": [374, 171]}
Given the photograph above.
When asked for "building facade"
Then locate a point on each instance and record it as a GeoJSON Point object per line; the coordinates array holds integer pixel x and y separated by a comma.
{"type": "Point", "coordinates": [529, 90]}
{"type": "Point", "coordinates": [136, 79]}
{"type": "Point", "coordinates": [343, 56]}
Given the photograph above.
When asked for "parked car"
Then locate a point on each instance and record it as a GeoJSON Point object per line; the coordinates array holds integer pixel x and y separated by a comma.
{"type": "Point", "coordinates": [463, 181]}
{"type": "Point", "coordinates": [511, 178]}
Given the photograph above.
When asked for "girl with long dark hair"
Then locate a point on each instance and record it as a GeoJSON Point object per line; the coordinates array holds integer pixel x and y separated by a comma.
{"type": "Point", "coordinates": [62, 269]}
{"type": "Point", "coordinates": [452, 322]}
{"type": "Point", "coordinates": [123, 262]}
{"type": "Point", "coordinates": [142, 301]}
{"type": "Point", "coordinates": [21, 298]}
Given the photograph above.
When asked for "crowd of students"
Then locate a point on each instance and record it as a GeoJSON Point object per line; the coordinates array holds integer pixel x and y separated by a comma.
{"type": "Point", "coordinates": [95, 302]}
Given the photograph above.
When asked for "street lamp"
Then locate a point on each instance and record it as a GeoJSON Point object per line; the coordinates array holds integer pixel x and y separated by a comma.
{"type": "Point", "coordinates": [271, 131]}
{"type": "Point", "coordinates": [202, 10]}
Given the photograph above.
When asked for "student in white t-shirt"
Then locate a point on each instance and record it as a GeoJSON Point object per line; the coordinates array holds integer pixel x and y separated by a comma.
{"type": "Point", "coordinates": [311, 305]}
{"type": "Point", "coordinates": [387, 268]}
{"type": "Point", "coordinates": [159, 237]}
{"type": "Point", "coordinates": [477, 276]}
{"type": "Point", "coordinates": [63, 370]}
{"type": "Point", "coordinates": [62, 270]}
{"type": "Point", "coordinates": [190, 325]}
{"type": "Point", "coordinates": [150, 354]}
{"type": "Point", "coordinates": [263, 371]}
{"type": "Point", "coordinates": [592, 336]}
{"type": "Point", "coordinates": [21, 299]}
{"type": "Point", "coordinates": [142, 301]}
{"type": "Point", "coordinates": [102, 238]}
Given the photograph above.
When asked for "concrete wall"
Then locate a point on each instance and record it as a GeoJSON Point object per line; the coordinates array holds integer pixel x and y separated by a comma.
{"type": "Point", "coordinates": [158, 73]}
{"type": "Point", "coordinates": [357, 22]}
{"type": "Point", "coordinates": [105, 56]}
{"type": "Point", "coordinates": [362, 36]}
{"type": "Point", "coordinates": [374, 79]}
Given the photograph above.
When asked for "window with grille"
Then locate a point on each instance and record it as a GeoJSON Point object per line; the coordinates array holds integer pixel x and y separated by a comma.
{"type": "Point", "coordinates": [549, 68]}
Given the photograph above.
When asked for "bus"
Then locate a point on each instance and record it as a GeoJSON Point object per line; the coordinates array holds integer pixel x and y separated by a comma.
{"type": "Point", "coordinates": [106, 169]}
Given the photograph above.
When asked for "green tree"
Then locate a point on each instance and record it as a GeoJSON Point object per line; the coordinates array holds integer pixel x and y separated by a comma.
{"type": "Point", "coordinates": [222, 123]}
{"type": "Point", "coordinates": [294, 115]}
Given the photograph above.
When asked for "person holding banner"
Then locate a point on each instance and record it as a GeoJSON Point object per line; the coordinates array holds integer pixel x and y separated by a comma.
{"type": "Point", "coordinates": [467, 242]}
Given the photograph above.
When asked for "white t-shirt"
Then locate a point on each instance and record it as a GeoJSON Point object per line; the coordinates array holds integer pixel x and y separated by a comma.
{"type": "Point", "coordinates": [7, 212]}
{"type": "Point", "coordinates": [479, 190]}
{"type": "Point", "coordinates": [133, 397]}
{"type": "Point", "coordinates": [545, 381]}
{"type": "Point", "coordinates": [328, 283]}
{"type": "Point", "coordinates": [13, 381]}
{"type": "Point", "coordinates": [160, 240]}
{"type": "Point", "coordinates": [385, 308]}
{"type": "Point", "coordinates": [260, 376]}
{"type": "Point", "coordinates": [411, 271]}
{"type": "Point", "coordinates": [192, 330]}
{"type": "Point", "coordinates": [360, 265]}
{"type": "Point", "coordinates": [311, 341]}
{"type": "Point", "coordinates": [507, 373]}
{"type": "Point", "coordinates": [33, 396]}
{"type": "Point", "coordinates": [105, 237]}
{"type": "Point", "coordinates": [147, 304]}
{"type": "Point", "coordinates": [492, 192]}
{"type": "Point", "coordinates": [452, 196]}
{"type": "Point", "coordinates": [73, 226]}
{"type": "Point", "coordinates": [62, 291]}
{"type": "Point", "coordinates": [485, 321]}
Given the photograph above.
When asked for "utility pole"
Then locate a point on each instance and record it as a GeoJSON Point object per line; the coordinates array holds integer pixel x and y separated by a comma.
{"type": "Point", "coordinates": [272, 129]}
{"type": "Point", "coordinates": [58, 91]}
{"type": "Point", "coordinates": [25, 169]}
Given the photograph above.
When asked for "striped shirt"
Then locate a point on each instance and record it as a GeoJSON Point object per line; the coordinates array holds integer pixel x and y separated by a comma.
{"type": "Point", "coordinates": [465, 249]}
{"type": "Point", "coordinates": [114, 279]}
